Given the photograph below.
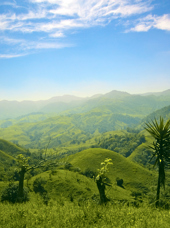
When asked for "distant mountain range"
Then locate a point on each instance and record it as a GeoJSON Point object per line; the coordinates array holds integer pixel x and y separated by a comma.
{"type": "Point", "coordinates": [116, 101]}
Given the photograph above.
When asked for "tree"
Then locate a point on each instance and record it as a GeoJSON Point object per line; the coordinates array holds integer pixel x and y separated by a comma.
{"type": "Point", "coordinates": [24, 167]}
{"type": "Point", "coordinates": [102, 180]}
{"type": "Point", "coordinates": [161, 149]}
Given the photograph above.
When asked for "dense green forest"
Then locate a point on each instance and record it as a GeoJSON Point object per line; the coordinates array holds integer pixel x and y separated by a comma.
{"type": "Point", "coordinates": [62, 156]}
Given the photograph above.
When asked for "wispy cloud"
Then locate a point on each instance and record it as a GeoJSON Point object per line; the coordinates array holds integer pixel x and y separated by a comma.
{"type": "Point", "coordinates": [152, 21]}
{"type": "Point", "coordinates": [53, 19]}
{"type": "Point", "coordinates": [9, 56]}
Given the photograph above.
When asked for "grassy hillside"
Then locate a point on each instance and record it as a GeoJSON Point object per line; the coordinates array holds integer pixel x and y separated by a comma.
{"type": "Point", "coordinates": [62, 129]}
{"type": "Point", "coordinates": [164, 112]}
{"type": "Point", "coordinates": [5, 161]}
{"type": "Point", "coordinates": [10, 148]}
{"type": "Point", "coordinates": [30, 118]}
{"type": "Point", "coordinates": [8, 152]}
{"type": "Point", "coordinates": [142, 154]}
{"type": "Point", "coordinates": [133, 175]}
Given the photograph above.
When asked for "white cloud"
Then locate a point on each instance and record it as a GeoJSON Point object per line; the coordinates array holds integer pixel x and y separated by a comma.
{"type": "Point", "coordinates": [158, 22]}
{"type": "Point", "coordinates": [55, 18]}
{"type": "Point", "coordinates": [45, 45]}
{"type": "Point", "coordinates": [27, 47]}
{"type": "Point", "coordinates": [57, 34]}
{"type": "Point", "coordinates": [163, 22]}
{"type": "Point", "coordinates": [77, 13]}
{"type": "Point", "coordinates": [9, 56]}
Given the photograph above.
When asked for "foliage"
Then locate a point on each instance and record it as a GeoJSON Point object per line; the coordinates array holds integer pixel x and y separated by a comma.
{"type": "Point", "coordinates": [38, 185]}
{"type": "Point", "coordinates": [22, 161]}
{"type": "Point", "coordinates": [89, 173]}
{"type": "Point", "coordinates": [10, 194]}
{"type": "Point", "coordinates": [119, 182]}
{"type": "Point", "coordinates": [124, 144]}
{"type": "Point", "coordinates": [102, 172]}
{"type": "Point", "coordinates": [102, 180]}
{"type": "Point", "coordinates": [161, 148]}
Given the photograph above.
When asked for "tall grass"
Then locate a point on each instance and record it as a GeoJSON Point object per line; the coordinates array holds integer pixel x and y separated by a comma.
{"type": "Point", "coordinates": [60, 214]}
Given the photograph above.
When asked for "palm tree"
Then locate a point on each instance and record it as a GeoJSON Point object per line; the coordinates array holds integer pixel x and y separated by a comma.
{"type": "Point", "coordinates": [161, 149]}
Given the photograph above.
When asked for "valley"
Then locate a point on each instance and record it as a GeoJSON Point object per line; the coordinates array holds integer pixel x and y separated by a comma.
{"type": "Point", "coordinates": [76, 139]}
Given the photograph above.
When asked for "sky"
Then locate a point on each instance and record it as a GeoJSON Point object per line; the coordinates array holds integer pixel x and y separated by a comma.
{"type": "Point", "coordinates": [83, 47]}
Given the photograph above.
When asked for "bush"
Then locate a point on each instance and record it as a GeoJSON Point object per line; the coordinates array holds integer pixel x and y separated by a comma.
{"type": "Point", "coordinates": [119, 182]}
{"type": "Point", "coordinates": [68, 165]}
{"type": "Point", "coordinates": [39, 188]}
{"type": "Point", "coordinates": [10, 194]}
{"type": "Point", "coordinates": [38, 185]}
{"type": "Point", "coordinates": [89, 173]}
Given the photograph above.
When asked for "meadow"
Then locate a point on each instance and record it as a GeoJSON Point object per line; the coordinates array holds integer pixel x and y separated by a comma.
{"type": "Point", "coordinates": [60, 214]}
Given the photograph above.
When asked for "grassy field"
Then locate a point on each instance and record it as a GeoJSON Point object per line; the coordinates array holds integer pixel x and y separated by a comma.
{"type": "Point", "coordinates": [60, 214]}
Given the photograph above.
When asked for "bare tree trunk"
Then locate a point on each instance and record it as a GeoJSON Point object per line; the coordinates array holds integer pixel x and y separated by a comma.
{"type": "Point", "coordinates": [158, 187]}
{"type": "Point", "coordinates": [158, 193]}
{"type": "Point", "coordinates": [21, 183]}
{"type": "Point", "coordinates": [101, 188]}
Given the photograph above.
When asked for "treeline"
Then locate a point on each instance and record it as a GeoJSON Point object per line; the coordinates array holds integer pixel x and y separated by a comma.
{"type": "Point", "coordinates": [123, 144]}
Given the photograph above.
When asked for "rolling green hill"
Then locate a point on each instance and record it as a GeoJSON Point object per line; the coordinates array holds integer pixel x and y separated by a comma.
{"type": "Point", "coordinates": [135, 177]}
{"type": "Point", "coordinates": [164, 112]}
{"type": "Point", "coordinates": [142, 154]}
{"type": "Point", "coordinates": [63, 129]}
{"type": "Point", "coordinates": [73, 184]}
{"type": "Point", "coordinates": [8, 152]}
{"type": "Point", "coordinates": [10, 148]}
{"type": "Point", "coordinates": [6, 161]}
{"type": "Point", "coordinates": [30, 118]}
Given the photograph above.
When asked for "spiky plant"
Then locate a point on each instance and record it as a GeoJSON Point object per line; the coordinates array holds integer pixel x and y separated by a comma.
{"type": "Point", "coordinates": [161, 149]}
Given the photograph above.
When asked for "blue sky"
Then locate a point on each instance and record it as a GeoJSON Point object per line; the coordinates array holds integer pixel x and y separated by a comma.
{"type": "Point", "coordinates": [83, 47]}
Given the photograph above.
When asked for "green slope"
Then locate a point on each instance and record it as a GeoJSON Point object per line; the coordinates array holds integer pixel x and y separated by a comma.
{"type": "Point", "coordinates": [164, 112]}
{"type": "Point", "coordinates": [10, 148]}
{"type": "Point", "coordinates": [134, 176]}
{"type": "Point", "coordinates": [142, 154]}
{"type": "Point", "coordinates": [8, 152]}
{"type": "Point", "coordinates": [30, 118]}
{"type": "Point", "coordinates": [62, 129]}
{"type": "Point", "coordinates": [66, 184]}
{"type": "Point", "coordinates": [5, 161]}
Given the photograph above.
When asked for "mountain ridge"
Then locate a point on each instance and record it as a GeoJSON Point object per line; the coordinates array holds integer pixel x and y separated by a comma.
{"type": "Point", "coordinates": [69, 104]}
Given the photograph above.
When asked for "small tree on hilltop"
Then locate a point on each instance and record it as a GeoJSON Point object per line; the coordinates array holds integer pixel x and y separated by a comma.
{"type": "Point", "coordinates": [24, 167]}
{"type": "Point", "coordinates": [102, 180]}
{"type": "Point", "coordinates": [161, 149]}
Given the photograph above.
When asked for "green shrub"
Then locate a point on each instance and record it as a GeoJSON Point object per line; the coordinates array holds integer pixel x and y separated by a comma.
{"type": "Point", "coordinates": [10, 194]}
{"type": "Point", "coordinates": [89, 173]}
{"type": "Point", "coordinates": [38, 185]}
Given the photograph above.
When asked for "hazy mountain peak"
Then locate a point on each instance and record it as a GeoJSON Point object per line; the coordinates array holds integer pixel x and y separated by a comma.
{"type": "Point", "coordinates": [116, 94]}
{"type": "Point", "coordinates": [65, 98]}
{"type": "Point", "coordinates": [96, 96]}
{"type": "Point", "coordinates": [163, 93]}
